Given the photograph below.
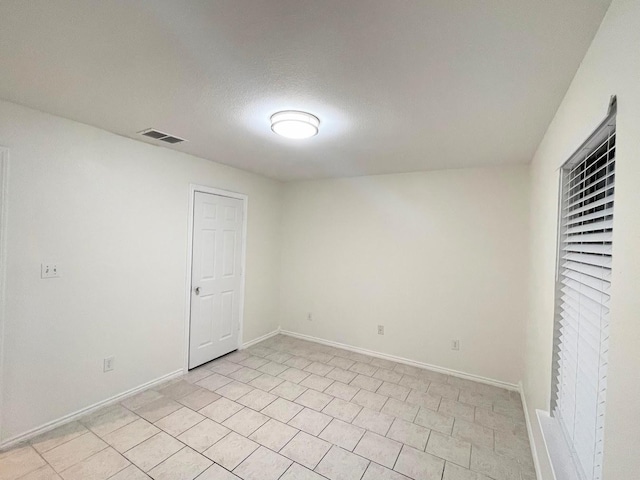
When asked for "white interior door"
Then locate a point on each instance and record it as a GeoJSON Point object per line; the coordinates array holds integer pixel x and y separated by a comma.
{"type": "Point", "coordinates": [216, 277]}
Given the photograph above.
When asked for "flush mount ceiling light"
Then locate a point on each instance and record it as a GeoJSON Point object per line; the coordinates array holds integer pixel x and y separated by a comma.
{"type": "Point", "coordinates": [294, 124]}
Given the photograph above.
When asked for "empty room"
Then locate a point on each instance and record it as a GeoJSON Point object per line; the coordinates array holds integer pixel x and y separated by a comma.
{"type": "Point", "coordinates": [319, 239]}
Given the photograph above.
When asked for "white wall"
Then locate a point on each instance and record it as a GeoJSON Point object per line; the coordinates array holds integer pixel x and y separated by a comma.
{"type": "Point", "coordinates": [611, 66]}
{"type": "Point", "coordinates": [432, 256]}
{"type": "Point", "coordinates": [113, 213]}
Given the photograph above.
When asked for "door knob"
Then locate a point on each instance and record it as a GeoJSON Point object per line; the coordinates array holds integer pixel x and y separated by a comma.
{"type": "Point", "coordinates": [197, 290]}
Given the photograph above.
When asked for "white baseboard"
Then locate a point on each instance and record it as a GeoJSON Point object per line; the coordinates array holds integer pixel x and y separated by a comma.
{"type": "Point", "coordinates": [532, 443]}
{"type": "Point", "coordinates": [84, 411]}
{"type": "Point", "coordinates": [406, 361]}
{"type": "Point", "coordinates": [260, 339]}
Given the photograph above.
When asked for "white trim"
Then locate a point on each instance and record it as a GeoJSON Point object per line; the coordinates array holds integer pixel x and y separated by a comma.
{"type": "Point", "coordinates": [4, 209]}
{"type": "Point", "coordinates": [260, 339]}
{"type": "Point", "coordinates": [406, 361]}
{"type": "Point", "coordinates": [34, 432]}
{"type": "Point", "coordinates": [193, 188]}
{"type": "Point", "coordinates": [543, 415]}
{"type": "Point", "coordinates": [532, 443]}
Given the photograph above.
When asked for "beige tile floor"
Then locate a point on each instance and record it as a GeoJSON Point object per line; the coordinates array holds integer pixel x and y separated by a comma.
{"type": "Point", "coordinates": [291, 410]}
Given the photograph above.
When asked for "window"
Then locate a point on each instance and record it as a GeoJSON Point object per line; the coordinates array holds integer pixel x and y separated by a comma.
{"type": "Point", "coordinates": [582, 298]}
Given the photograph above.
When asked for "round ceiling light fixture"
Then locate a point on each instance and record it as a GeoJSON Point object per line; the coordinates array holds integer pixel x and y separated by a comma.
{"type": "Point", "coordinates": [295, 124]}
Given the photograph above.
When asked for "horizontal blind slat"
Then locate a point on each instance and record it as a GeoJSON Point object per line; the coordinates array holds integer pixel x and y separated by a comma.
{"type": "Point", "coordinates": [588, 259]}
{"type": "Point", "coordinates": [588, 227]}
{"type": "Point", "coordinates": [602, 273]}
{"type": "Point", "coordinates": [588, 248]}
{"type": "Point", "coordinates": [584, 302]}
{"type": "Point", "coordinates": [604, 237]}
{"type": "Point", "coordinates": [593, 205]}
{"type": "Point", "coordinates": [595, 283]}
{"type": "Point", "coordinates": [603, 213]}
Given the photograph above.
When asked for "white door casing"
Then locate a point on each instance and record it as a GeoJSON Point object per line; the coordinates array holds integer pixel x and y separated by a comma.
{"type": "Point", "coordinates": [216, 276]}
{"type": "Point", "coordinates": [4, 196]}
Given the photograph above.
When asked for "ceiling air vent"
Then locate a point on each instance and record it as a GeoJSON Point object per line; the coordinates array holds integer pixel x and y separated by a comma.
{"type": "Point", "coordinates": [158, 135]}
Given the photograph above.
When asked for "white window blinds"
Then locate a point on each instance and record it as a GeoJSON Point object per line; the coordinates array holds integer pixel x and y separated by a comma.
{"type": "Point", "coordinates": [583, 294]}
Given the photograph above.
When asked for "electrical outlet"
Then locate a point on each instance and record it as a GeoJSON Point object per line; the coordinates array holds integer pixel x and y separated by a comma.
{"type": "Point", "coordinates": [49, 270]}
{"type": "Point", "coordinates": [309, 317]}
{"type": "Point", "coordinates": [455, 344]}
{"type": "Point", "coordinates": [380, 329]}
{"type": "Point", "coordinates": [109, 364]}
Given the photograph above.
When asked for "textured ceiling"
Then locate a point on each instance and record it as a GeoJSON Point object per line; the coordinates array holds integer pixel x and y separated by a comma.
{"type": "Point", "coordinates": [399, 86]}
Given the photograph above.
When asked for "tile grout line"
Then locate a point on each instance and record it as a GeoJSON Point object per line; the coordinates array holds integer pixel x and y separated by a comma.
{"type": "Point", "coordinates": [373, 373]}
{"type": "Point", "coordinates": [38, 468]}
{"type": "Point", "coordinates": [124, 468]}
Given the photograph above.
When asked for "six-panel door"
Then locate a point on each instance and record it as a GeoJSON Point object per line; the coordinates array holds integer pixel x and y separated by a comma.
{"type": "Point", "coordinates": [216, 277]}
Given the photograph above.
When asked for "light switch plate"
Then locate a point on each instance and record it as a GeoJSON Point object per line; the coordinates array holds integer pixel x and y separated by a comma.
{"type": "Point", "coordinates": [49, 270]}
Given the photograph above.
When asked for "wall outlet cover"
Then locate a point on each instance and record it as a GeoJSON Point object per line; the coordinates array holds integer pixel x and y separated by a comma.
{"type": "Point", "coordinates": [109, 364]}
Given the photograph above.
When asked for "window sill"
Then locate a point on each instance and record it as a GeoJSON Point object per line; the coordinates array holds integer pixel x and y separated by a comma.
{"type": "Point", "coordinates": [557, 449]}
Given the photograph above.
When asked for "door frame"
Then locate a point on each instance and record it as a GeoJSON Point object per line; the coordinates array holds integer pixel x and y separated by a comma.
{"type": "Point", "coordinates": [193, 188]}
{"type": "Point", "coordinates": [4, 210]}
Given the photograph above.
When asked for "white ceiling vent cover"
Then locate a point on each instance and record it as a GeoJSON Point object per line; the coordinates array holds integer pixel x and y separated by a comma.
{"type": "Point", "coordinates": [163, 137]}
